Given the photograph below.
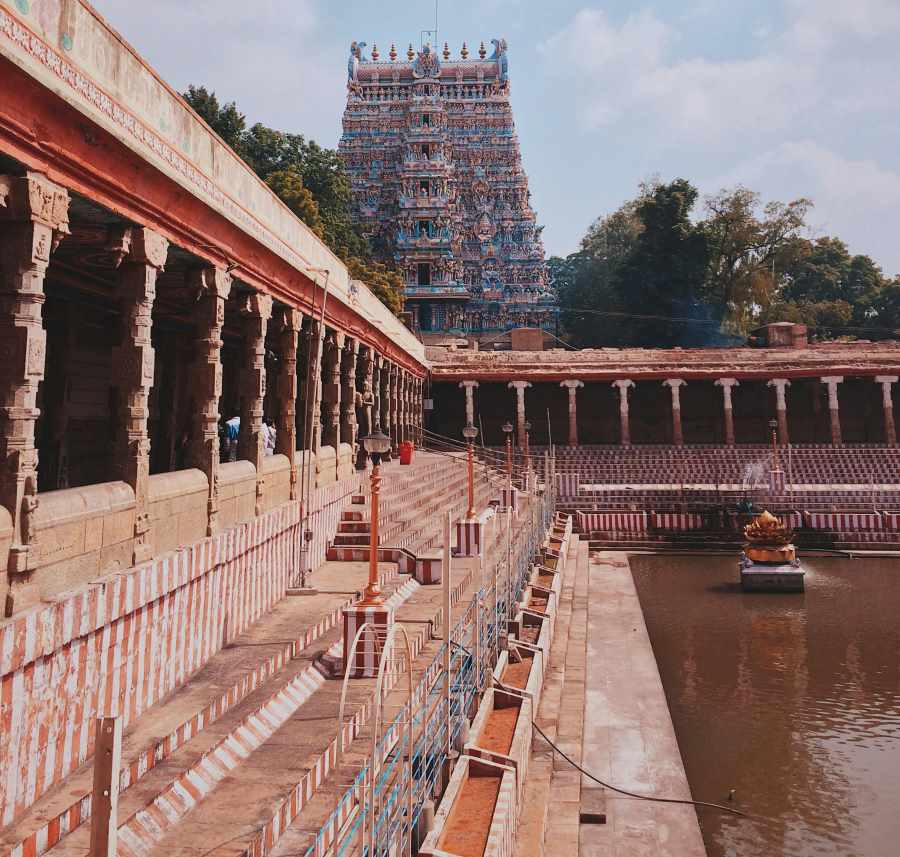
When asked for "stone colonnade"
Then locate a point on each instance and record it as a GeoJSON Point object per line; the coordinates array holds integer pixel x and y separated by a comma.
{"type": "Point", "coordinates": [33, 220]}
{"type": "Point", "coordinates": [727, 385]}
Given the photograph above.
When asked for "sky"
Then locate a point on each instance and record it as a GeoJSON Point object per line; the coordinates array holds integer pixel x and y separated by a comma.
{"type": "Point", "coordinates": [790, 98]}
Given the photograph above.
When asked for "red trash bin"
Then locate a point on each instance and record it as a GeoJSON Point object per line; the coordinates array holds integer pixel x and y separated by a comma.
{"type": "Point", "coordinates": [406, 452]}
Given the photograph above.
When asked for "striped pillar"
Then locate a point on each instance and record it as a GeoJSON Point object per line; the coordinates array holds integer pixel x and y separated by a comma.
{"type": "Point", "coordinates": [469, 538]}
{"type": "Point", "coordinates": [368, 651]}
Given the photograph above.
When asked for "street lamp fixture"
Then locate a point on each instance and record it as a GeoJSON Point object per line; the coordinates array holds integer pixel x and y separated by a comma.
{"type": "Point", "coordinates": [507, 430]}
{"type": "Point", "coordinates": [376, 445]}
{"type": "Point", "coordinates": [470, 433]}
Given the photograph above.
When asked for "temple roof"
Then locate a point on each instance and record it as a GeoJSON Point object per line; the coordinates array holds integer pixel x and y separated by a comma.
{"type": "Point", "coordinates": [602, 364]}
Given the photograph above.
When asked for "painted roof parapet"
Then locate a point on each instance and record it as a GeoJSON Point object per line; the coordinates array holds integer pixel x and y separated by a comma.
{"type": "Point", "coordinates": [426, 64]}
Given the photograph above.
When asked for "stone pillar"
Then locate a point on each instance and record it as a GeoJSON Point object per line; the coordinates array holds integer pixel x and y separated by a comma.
{"type": "Point", "coordinates": [212, 287]}
{"type": "Point", "coordinates": [834, 410]}
{"type": "Point", "coordinates": [367, 400]}
{"type": "Point", "coordinates": [675, 385]}
{"type": "Point", "coordinates": [385, 381]}
{"type": "Point", "coordinates": [256, 310]}
{"type": "Point", "coordinates": [624, 424]}
{"type": "Point", "coordinates": [331, 390]}
{"type": "Point", "coordinates": [780, 385]}
{"type": "Point", "coordinates": [727, 384]}
{"type": "Point", "coordinates": [348, 392]}
{"type": "Point", "coordinates": [520, 387]}
{"type": "Point", "coordinates": [288, 323]}
{"type": "Point", "coordinates": [376, 390]}
{"type": "Point", "coordinates": [401, 405]}
{"type": "Point", "coordinates": [312, 387]}
{"type": "Point", "coordinates": [394, 400]}
{"type": "Point", "coordinates": [34, 216]}
{"type": "Point", "coordinates": [417, 410]}
{"type": "Point", "coordinates": [573, 387]}
{"type": "Point", "coordinates": [469, 387]}
{"type": "Point", "coordinates": [890, 430]}
{"type": "Point", "coordinates": [144, 254]}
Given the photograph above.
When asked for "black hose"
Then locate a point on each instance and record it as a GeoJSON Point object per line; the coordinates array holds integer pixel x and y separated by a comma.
{"type": "Point", "coordinates": [612, 788]}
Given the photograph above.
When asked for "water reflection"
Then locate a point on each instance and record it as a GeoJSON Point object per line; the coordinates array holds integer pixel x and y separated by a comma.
{"type": "Point", "coordinates": [792, 700]}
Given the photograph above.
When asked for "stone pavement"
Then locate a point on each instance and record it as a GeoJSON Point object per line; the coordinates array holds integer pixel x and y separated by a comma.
{"type": "Point", "coordinates": [629, 739]}
{"type": "Point", "coordinates": [613, 719]}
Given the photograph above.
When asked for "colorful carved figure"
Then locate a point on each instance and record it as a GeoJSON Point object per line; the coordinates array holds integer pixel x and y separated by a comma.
{"type": "Point", "coordinates": [438, 184]}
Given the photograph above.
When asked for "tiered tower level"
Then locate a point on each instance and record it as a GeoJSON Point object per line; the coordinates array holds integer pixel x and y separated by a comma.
{"type": "Point", "coordinates": [432, 153]}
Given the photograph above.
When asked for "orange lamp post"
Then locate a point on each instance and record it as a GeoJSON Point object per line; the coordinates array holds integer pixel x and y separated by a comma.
{"type": "Point", "coordinates": [776, 463]}
{"type": "Point", "coordinates": [507, 430]}
{"type": "Point", "coordinates": [376, 445]}
{"type": "Point", "coordinates": [527, 448]}
{"type": "Point", "coordinates": [469, 433]}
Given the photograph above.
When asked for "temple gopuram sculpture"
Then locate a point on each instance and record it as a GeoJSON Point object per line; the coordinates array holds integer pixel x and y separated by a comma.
{"type": "Point", "coordinates": [433, 158]}
{"type": "Point", "coordinates": [769, 561]}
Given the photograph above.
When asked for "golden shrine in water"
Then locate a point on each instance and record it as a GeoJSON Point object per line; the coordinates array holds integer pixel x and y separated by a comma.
{"type": "Point", "coordinates": [768, 540]}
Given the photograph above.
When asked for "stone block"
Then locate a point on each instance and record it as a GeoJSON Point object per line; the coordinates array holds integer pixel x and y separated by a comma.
{"type": "Point", "coordinates": [118, 527]}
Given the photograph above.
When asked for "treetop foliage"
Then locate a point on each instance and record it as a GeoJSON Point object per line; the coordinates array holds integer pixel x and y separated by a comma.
{"type": "Point", "coordinates": [310, 180]}
{"type": "Point", "coordinates": [653, 274]}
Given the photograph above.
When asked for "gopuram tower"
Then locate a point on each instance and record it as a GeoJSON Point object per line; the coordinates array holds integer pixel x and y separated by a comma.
{"type": "Point", "coordinates": [431, 150]}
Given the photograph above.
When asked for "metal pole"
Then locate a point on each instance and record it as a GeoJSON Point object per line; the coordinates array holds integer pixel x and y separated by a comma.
{"type": "Point", "coordinates": [445, 579]}
{"type": "Point", "coordinates": [105, 797]}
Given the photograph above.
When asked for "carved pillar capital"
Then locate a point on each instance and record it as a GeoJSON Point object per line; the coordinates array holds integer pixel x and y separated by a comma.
{"type": "Point", "coordinates": [573, 386]}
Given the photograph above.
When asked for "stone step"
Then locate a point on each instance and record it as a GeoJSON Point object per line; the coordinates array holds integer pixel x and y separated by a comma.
{"type": "Point", "coordinates": [262, 655]}
{"type": "Point", "coordinates": [165, 797]}
{"type": "Point", "coordinates": [551, 781]}
{"type": "Point", "coordinates": [287, 772]}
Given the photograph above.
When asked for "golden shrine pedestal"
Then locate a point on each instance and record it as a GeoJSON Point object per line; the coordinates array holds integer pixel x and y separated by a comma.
{"type": "Point", "coordinates": [769, 561]}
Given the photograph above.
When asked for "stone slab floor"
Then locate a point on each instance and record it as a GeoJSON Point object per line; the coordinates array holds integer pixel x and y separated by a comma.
{"type": "Point", "coordinates": [605, 706]}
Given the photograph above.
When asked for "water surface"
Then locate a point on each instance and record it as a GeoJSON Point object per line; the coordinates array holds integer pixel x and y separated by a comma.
{"type": "Point", "coordinates": [791, 700]}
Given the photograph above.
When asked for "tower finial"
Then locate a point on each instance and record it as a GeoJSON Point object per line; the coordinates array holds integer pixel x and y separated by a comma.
{"type": "Point", "coordinates": [375, 53]}
{"type": "Point", "coordinates": [446, 52]}
{"type": "Point", "coordinates": [482, 51]}
{"type": "Point", "coordinates": [410, 53]}
{"type": "Point", "coordinates": [393, 53]}
{"type": "Point", "coordinates": [464, 53]}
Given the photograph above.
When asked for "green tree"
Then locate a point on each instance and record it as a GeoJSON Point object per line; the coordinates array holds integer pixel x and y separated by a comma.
{"type": "Point", "coordinates": [744, 253]}
{"type": "Point", "coordinates": [225, 119]}
{"type": "Point", "coordinates": [288, 187]}
{"type": "Point", "coordinates": [312, 182]}
{"type": "Point", "coordinates": [659, 282]}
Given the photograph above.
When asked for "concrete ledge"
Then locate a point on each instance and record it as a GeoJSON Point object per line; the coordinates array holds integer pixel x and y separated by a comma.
{"type": "Point", "coordinates": [237, 493]}
{"type": "Point", "coordinates": [178, 509]}
{"type": "Point", "coordinates": [277, 473]}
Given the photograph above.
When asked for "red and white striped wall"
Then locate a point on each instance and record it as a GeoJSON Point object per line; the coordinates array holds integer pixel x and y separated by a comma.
{"type": "Point", "coordinates": [677, 520]}
{"type": "Point", "coordinates": [619, 522]}
{"type": "Point", "coordinates": [368, 650]}
{"type": "Point", "coordinates": [469, 538]}
{"type": "Point", "coordinates": [843, 521]}
{"type": "Point", "coordinates": [121, 643]}
{"type": "Point", "coordinates": [567, 484]}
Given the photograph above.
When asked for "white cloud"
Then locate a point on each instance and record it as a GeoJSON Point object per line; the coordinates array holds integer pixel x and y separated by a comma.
{"type": "Point", "coordinates": [269, 56]}
{"type": "Point", "coordinates": [809, 111]}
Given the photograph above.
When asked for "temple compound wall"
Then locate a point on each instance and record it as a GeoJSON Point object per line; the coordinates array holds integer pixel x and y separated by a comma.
{"type": "Point", "coordinates": [185, 373]}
